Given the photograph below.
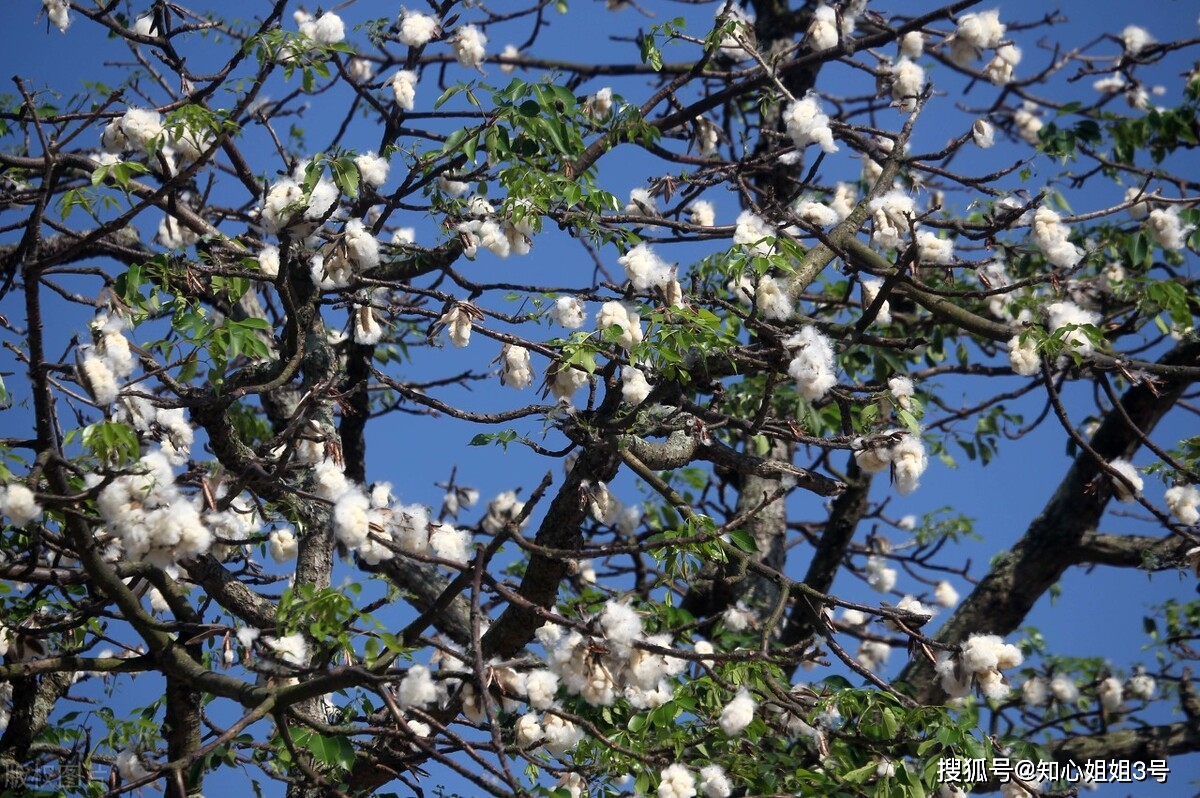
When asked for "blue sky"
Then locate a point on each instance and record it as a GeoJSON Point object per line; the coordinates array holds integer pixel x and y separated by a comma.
{"type": "Point", "coordinates": [1098, 614]}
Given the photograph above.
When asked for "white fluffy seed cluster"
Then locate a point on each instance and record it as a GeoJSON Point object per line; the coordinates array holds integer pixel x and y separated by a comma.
{"type": "Point", "coordinates": [1052, 238]}
{"type": "Point", "coordinates": [1184, 503]}
{"type": "Point", "coordinates": [149, 517]}
{"type": "Point", "coordinates": [288, 207]}
{"type": "Point", "coordinates": [516, 368]}
{"type": "Point", "coordinates": [645, 269]}
{"type": "Point", "coordinates": [416, 29]}
{"type": "Point", "coordinates": [1122, 491]}
{"type": "Point", "coordinates": [891, 217]}
{"type": "Point", "coordinates": [102, 365]}
{"type": "Point", "coordinates": [807, 124]}
{"type": "Point", "coordinates": [608, 665]}
{"type": "Point", "coordinates": [978, 666]}
{"type": "Point", "coordinates": [18, 504]}
{"type": "Point", "coordinates": [812, 363]}
{"type": "Point", "coordinates": [376, 527]}
{"type": "Point", "coordinates": [899, 450]}
{"type": "Point", "coordinates": [625, 319]}
{"type": "Point", "coordinates": [568, 312]}
{"type": "Point", "coordinates": [470, 46]}
{"type": "Point", "coordinates": [500, 234]}
{"type": "Point", "coordinates": [1061, 315]}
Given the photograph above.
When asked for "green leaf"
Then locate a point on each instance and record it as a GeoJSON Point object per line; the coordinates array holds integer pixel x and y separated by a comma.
{"type": "Point", "coordinates": [743, 540]}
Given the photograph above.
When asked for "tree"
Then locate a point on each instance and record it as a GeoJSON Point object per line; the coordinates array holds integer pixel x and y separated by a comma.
{"type": "Point", "coordinates": [270, 243]}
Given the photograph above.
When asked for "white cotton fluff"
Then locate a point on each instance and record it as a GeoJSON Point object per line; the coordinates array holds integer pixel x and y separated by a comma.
{"type": "Point", "coordinates": [568, 312]}
{"type": "Point", "coordinates": [528, 730]}
{"type": "Point", "coordinates": [561, 734]}
{"type": "Point", "coordinates": [1023, 357]}
{"type": "Point", "coordinates": [96, 376]}
{"type": "Point", "coordinates": [1121, 491]}
{"type": "Point", "coordinates": [365, 327]}
{"type": "Point", "coordinates": [59, 13]}
{"type": "Point", "coordinates": [845, 196]}
{"type": "Point", "coordinates": [1051, 236]}
{"type": "Point", "coordinates": [567, 381]}
{"type": "Point", "coordinates": [292, 649]}
{"type": "Point", "coordinates": [1142, 686]}
{"type": "Point", "coordinates": [281, 204]}
{"type": "Point", "coordinates": [129, 764]}
{"type": "Point", "coordinates": [615, 314]}
{"type": "Point", "coordinates": [361, 247]}
{"type": "Point", "coordinates": [509, 51]}
{"type": "Point", "coordinates": [450, 543]}
{"type": "Point", "coordinates": [823, 32]}
{"type": "Point", "coordinates": [702, 213]}
{"type": "Point", "coordinates": [707, 137]}
{"type": "Point", "coordinates": [738, 714]}
{"type": "Point", "coordinates": [753, 234]}
{"type": "Point", "coordinates": [282, 545]}
{"type": "Point", "coordinates": [945, 594]}
{"type": "Point", "coordinates": [891, 215]}
{"type": "Point", "coordinates": [268, 261]}
{"type": "Point", "coordinates": [1136, 39]}
{"type": "Point", "coordinates": [983, 134]}
{"type": "Point", "coordinates": [909, 462]}
{"type": "Point", "coordinates": [600, 104]}
{"type": "Point", "coordinates": [18, 504]}
{"type": "Point", "coordinates": [902, 390]}
{"type": "Point", "coordinates": [621, 624]}
{"type": "Point", "coordinates": [541, 686]}
{"type": "Point", "coordinates": [404, 88]}
{"type": "Point", "coordinates": [172, 234]}
{"type": "Point", "coordinates": [742, 30]}
{"type": "Point", "coordinates": [934, 250]}
{"type": "Point", "coordinates": [417, 688]}
{"type": "Point", "coordinates": [999, 71]}
{"type": "Point", "coordinates": [112, 344]}
{"type": "Point", "coordinates": [645, 269]}
{"type": "Point", "coordinates": [641, 203]}
{"type": "Point", "coordinates": [1111, 693]}
{"type": "Point", "coordinates": [873, 654]}
{"type": "Point", "coordinates": [417, 30]}
{"type": "Point", "coordinates": [772, 300]}
{"type": "Point", "coordinates": [1167, 229]}
{"type": "Point", "coordinates": [806, 124]}
{"type": "Point", "coordinates": [1063, 689]}
{"type": "Point", "coordinates": [469, 45]}
{"type": "Point", "coordinates": [714, 783]}
{"type": "Point", "coordinates": [1028, 124]}
{"type": "Point", "coordinates": [908, 80]}
{"type": "Point", "coordinates": [676, 781]}
{"type": "Point", "coordinates": [634, 387]}
{"type": "Point", "coordinates": [457, 323]}
{"type": "Point", "coordinates": [361, 70]}
{"type": "Point", "coordinates": [372, 168]}
{"type": "Point", "coordinates": [329, 29]}
{"type": "Point", "coordinates": [879, 575]}
{"type": "Point", "coordinates": [817, 213]}
{"type": "Point", "coordinates": [516, 369]}
{"type": "Point", "coordinates": [812, 363]}
{"type": "Point", "coordinates": [912, 44]}
{"type": "Point", "coordinates": [1066, 313]}
{"type": "Point", "coordinates": [351, 522]}
{"type": "Point", "coordinates": [1035, 692]}
{"type": "Point", "coordinates": [141, 127]}
{"type": "Point", "coordinates": [975, 33]}
{"type": "Point", "coordinates": [739, 618]}
{"type": "Point", "coordinates": [870, 290]}
{"type": "Point", "coordinates": [329, 480]}
{"type": "Point", "coordinates": [1184, 503]}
